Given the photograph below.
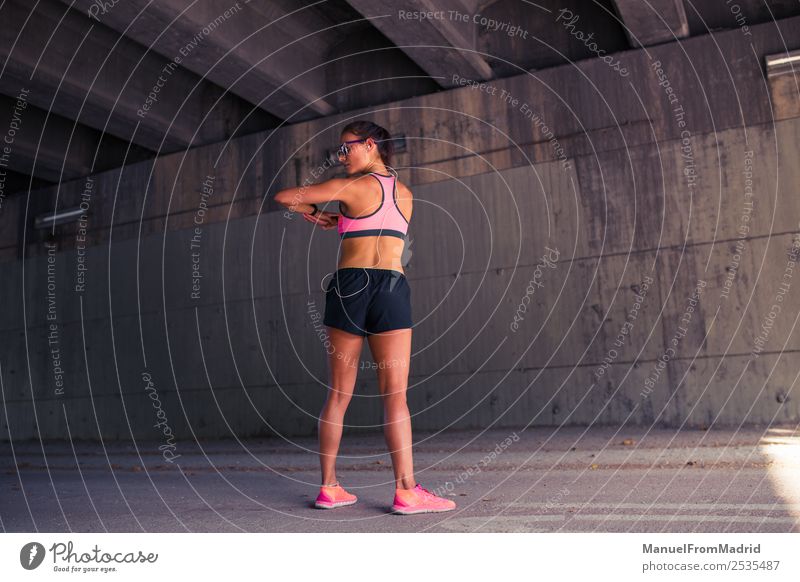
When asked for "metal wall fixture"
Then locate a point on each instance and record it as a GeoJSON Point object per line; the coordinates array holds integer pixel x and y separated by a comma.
{"type": "Point", "coordinates": [51, 219]}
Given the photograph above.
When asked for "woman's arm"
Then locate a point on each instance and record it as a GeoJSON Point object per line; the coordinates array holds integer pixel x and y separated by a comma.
{"type": "Point", "coordinates": [300, 199]}
{"type": "Point", "coordinates": [325, 220]}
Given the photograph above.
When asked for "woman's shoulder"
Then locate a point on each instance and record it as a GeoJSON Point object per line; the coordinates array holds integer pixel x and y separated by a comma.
{"type": "Point", "coordinates": [359, 185]}
{"type": "Point", "coordinates": [353, 185]}
{"type": "Point", "coordinates": [403, 191]}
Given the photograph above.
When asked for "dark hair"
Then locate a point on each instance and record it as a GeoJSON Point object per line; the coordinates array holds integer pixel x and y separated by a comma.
{"type": "Point", "coordinates": [380, 136]}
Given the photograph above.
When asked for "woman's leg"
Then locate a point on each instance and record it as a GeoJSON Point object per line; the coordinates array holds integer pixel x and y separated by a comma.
{"type": "Point", "coordinates": [343, 368]}
{"type": "Point", "coordinates": [391, 351]}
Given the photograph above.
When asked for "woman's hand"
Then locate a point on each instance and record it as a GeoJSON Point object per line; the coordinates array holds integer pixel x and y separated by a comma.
{"type": "Point", "coordinates": [326, 220]}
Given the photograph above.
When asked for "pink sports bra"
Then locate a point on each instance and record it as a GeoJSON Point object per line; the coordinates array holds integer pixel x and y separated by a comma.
{"type": "Point", "coordinates": [387, 220]}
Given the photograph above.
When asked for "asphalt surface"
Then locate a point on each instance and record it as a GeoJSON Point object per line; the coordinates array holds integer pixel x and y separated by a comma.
{"type": "Point", "coordinates": [603, 479]}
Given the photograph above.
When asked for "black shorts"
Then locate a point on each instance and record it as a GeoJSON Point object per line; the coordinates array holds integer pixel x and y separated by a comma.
{"type": "Point", "coordinates": [367, 301]}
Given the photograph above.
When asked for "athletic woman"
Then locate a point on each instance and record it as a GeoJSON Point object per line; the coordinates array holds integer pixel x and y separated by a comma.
{"type": "Point", "coordinates": [368, 296]}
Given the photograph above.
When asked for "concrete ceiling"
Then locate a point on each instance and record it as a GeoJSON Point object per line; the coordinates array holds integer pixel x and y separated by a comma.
{"type": "Point", "coordinates": [110, 83]}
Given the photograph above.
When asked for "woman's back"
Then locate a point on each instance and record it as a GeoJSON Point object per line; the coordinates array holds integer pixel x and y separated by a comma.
{"type": "Point", "coordinates": [374, 222]}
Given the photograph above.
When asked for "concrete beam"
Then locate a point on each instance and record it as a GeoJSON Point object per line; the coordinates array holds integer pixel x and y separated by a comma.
{"type": "Point", "coordinates": [56, 149]}
{"type": "Point", "coordinates": [232, 44]}
{"type": "Point", "coordinates": [12, 183]}
{"type": "Point", "coordinates": [57, 54]}
{"type": "Point", "coordinates": [408, 33]}
{"type": "Point", "coordinates": [653, 22]}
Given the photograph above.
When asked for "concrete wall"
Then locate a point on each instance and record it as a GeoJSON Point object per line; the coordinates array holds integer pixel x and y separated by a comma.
{"type": "Point", "coordinates": [627, 204]}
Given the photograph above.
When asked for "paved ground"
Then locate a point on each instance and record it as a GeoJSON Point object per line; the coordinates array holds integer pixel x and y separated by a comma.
{"type": "Point", "coordinates": [601, 480]}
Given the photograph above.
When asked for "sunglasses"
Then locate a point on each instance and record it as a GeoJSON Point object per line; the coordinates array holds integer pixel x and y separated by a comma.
{"type": "Point", "coordinates": [344, 148]}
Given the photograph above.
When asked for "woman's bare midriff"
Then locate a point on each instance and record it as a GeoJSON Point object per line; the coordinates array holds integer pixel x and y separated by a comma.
{"type": "Point", "coordinates": [372, 252]}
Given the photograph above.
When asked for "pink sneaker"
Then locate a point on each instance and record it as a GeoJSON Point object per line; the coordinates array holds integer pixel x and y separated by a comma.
{"type": "Point", "coordinates": [333, 497]}
{"type": "Point", "coordinates": [419, 500]}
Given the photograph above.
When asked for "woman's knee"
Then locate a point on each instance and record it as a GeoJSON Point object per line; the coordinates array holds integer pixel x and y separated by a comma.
{"type": "Point", "coordinates": [339, 398]}
{"type": "Point", "coordinates": [395, 398]}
